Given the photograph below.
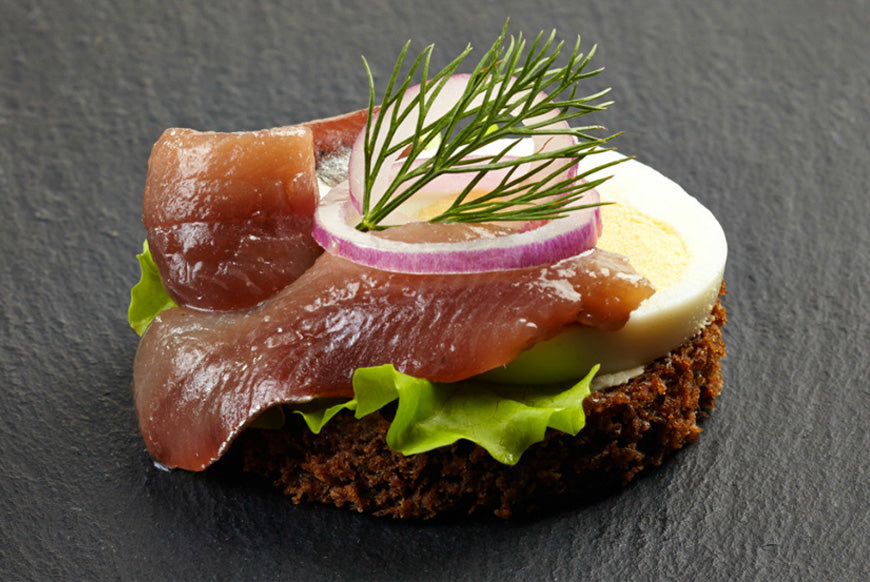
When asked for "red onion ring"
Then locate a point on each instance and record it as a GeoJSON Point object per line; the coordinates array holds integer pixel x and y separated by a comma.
{"type": "Point", "coordinates": [531, 245]}
{"type": "Point", "coordinates": [336, 217]}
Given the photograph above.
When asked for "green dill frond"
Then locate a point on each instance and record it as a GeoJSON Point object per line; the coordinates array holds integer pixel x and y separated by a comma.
{"type": "Point", "coordinates": [514, 92]}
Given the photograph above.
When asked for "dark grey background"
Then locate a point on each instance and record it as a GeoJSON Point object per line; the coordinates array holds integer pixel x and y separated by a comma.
{"type": "Point", "coordinates": [761, 109]}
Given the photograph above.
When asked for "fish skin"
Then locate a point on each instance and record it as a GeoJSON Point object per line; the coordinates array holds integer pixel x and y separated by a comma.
{"type": "Point", "coordinates": [332, 134]}
{"type": "Point", "coordinates": [201, 377]}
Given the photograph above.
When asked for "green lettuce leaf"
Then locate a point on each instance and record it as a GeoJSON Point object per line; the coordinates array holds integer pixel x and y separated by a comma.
{"type": "Point", "coordinates": [504, 420]}
{"type": "Point", "coordinates": [148, 297]}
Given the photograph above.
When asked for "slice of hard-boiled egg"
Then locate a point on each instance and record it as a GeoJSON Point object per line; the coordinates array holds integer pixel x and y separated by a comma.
{"type": "Point", "coordinates": [671, 239]}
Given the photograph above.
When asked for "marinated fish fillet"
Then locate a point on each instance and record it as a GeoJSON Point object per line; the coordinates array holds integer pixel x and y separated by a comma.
{"type": "Point", "coordinates": [200, 377]}
{"type": "Point", "coordinates": [229, 215]}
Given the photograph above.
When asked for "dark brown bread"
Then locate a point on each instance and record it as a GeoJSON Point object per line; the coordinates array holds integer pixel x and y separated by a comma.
{"type": "Point", "coordinates": [628, 427]}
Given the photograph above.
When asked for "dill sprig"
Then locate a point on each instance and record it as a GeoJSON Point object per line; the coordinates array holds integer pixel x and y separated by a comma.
{"type": "Point", "coordinates": [509, 80]}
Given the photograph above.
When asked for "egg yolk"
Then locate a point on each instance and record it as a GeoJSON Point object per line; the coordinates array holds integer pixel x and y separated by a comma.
{"type": "Point", "coordinates": [654, 248]}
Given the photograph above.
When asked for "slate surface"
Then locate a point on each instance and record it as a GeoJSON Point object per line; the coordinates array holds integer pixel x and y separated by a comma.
{"type": "Point", "coordinates": [760, 109]}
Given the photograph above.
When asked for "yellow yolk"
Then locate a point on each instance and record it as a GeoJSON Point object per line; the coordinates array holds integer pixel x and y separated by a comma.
{"type": "Point", "coordinates": [654, 248]}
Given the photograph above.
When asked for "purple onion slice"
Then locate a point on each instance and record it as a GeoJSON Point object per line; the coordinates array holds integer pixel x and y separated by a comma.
{"type": "Point", "coordinates": [527, 245]}
{"type": "Point", "coordinates": [555, 240]}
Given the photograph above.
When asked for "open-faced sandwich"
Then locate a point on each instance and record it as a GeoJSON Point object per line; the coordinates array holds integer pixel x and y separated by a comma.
{"type": "Point", "coordinates": [454, 300]}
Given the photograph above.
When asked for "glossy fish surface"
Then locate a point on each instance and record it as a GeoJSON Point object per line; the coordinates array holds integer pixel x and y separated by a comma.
{"type": "Point", "coordinates": [200, 377]}
{"type": "Point", "coordinates": [229, 215]}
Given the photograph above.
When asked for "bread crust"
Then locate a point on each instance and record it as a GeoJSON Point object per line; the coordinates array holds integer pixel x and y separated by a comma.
{"type": "Point", "coordinates": [628, 428]}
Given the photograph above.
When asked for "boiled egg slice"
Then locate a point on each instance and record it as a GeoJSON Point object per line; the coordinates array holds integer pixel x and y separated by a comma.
{"type": "Point", "coordinates": [671, 239]}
